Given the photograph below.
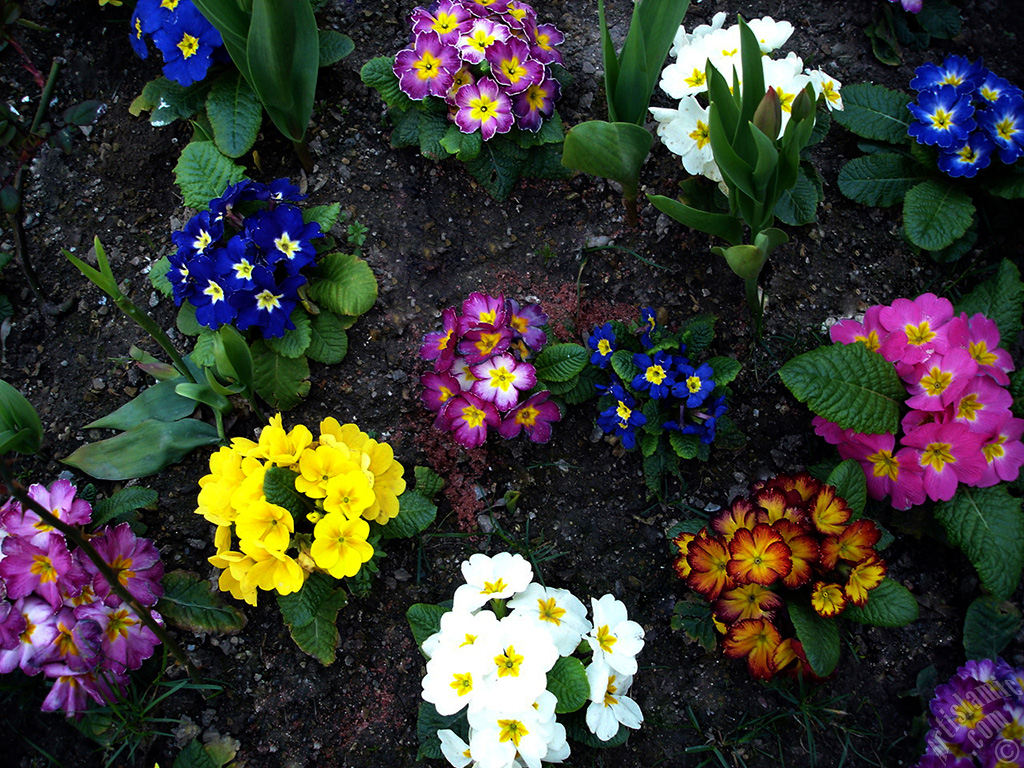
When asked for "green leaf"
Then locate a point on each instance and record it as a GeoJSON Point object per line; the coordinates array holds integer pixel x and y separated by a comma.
{"type": "Point", "coordinates": [311, 615]}
{"type": "Point", "coordinates": [685, 446]}
{"type": "Point", "coordinates": [324, 215]}
{"type": "Point", "coordinates": [122, 505]}
{"type": "Point", "coordinates": [235, 114]}
{"type": "Point", "coordinates": [936, 213]}
{"type": "Point", "coordinates": [818, 635]}
{"type": "Point", "coordinates": [203, 173]}
{"type": "Point", "coordinates": [545, 162]}
{"type": "Point", "coordinates": [722, 225]}
{"type": "Point", "coordinates": [498, 167]}
{"type": "Point", "coordinates": [698, 334]}
{"type": "Point", "coordinates": [465, 146]}
{"type": "Point", "coordinates": [379, 74]}
{"type": "Point", "coordinates": [567, 680]}
{"type": "Point", "coordinates": [726, 369]}
{"type": "Point", "coordinates": [334, 47]}
{"type": "Point", "coordinates": [989, 627]}
{"type": "Point", "coordinates": [431, 128]}
{"type": "Point", "coordinates": [190, 604]}
{"type": "Point", "coordinates": [880, 180]}
{"type": "Point", "coordinates": [890, 604]}
{"type": "Point", "coordinates": [428, 723]}
{"type": "Point", "coordinates": [875, 112]}
{"type": "Point", "coordinates": [940, 19]}
{"type": "Point", "coordinates": [233, 24]}
{"type": "Point", "coordinates": [987, 524]}
{"type": "Point", "coordinates": [279, 489]}
{"type": "Point", "coordinates": [798, 205]}
{"type": "Point", "coordinates": [186, 321]}
{"type": "Point", "coordinates": [560, 362]}
{"type": "Point", "coordinates": [281, 381]}
{"type": "Point", "coordinates": [1000, 298]}
{"type": "Point", "coordinates": [158, 276]}
{"type": "Point", "coordinates": [328, 342]}
{"type": "Point", "coordinates": [850, 483]}
{"type": "Point", "coordinates": [415, 513]}
{"type": "Point", "coordinates": [848, 384]}
{"type": "Point", "coordinates": [345, 284]}
{"type": "Point", "coordinates": [608, 150]}
{"type": "Point", "coordinates": [145, 449]}
{"type": "Point", "coordinates": [622, 364]}
{"type": "Point", "coordinates": [584, 387]}
{"type": "Point", "coordinates": [193, 755]}
{"type": "Point", "coordinates": [424, 620]}
{"type": "Point", "coordinates": [167, 101]}
{"type": "Point", "coordinates": [695, 618]}
{"type": "Point", "coordinates": [283, 56]}
{"type": "Point", "coordinates": [294, 342]}
{"type": "Point", "coordinates": [648, 442]}
{"type": "Point", "coordinates": [203, 352]}
{"type": "Point", "coordinates": [20, 427]}
{"type": "Point", "coordinates": [1009, 186]}
{"type": "Point", "coordinates": [428, 482]}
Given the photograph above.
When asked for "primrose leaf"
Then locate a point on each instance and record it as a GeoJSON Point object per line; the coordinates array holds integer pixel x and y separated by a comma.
{"type": "Point", "coordinates": [936, 214]}
{"type": "Point", "coordinates": [424, 620]}
{"type": "Point", "coordinates": [324, 215]}
{"type": "Point", "coordinates": [498, 166]}
{"type": "Point", "coordinates": [415, 513]}
{"type": "Point", "coordinates": [890, 604]}
{"type": "Point", "coordinates": [123, 505]}
{"type": "Point", "coordinates": [685, 446]}
{"type": "Point", "coordinates": [379, 74]}
{"type": "Point", "coordinates": [294, 342]}
{"type": "Point", "coordinates": [818, 635]}
{"type": "Point", "coordinates": [429, 722]}
{"type": "Point", "coordinates": [726, 369]}
{"type": "Point", "coordinates": [567, 680]}
{"type": "Point", "coordinates": [311, 615]}
{"type": "Point", "coordinates": [465, 146]}
{"type": "Point", "coordinates": [186, 321]}
{"type": "Point", "coordinates": [560, 362]}
{"type": "Point", "coordinates": [798, 205]}
{"type": "Point", "coordinates": [576, 729]}
{"type": "Point", "coordinates": [989, 627]}
{"type": "Point", "coordinates": [875, 112]}
{"type": "Point", "coordinates": [545, 162]}
{"type": "Point", "coordinates": [695, 618]}
{"type": "Point", "coordinates": [584, 387]}
{"type": "Point", "coordinates": [190, 604]}
{"type": "Point", "coordinates": [279, 489]}
{"type": "Point", "coordinates": [193, 755]}
{"type": "Point", "coordinates": [1009, 186]}
{"type": "Point", "coordinates": [158, 276]}
{"type": "Point", "coordinates": [882, 179]}
{"type": "Point", "coordinates": [848, 384]}
{"type": "Point", "coordinates": [851, 484]}
{"type": "Point", "coordinates": [334, 47]}
{"type": "Point", "coordinates": [281, 381]}
{"type": "Point", "coordinates": [431, 130]}
{"type": "Point", "coordinates": [623, 365]}
{"type": "Point", "coordinates": [167, 101]}
{"type": "Point", "coordinates": [328, 341]}
{"type": "Point", "coordinates": [988, 525]}
{"type": "Point", "coordinates": [235, 114]}
{"type": "Point", "coordinates": [999, 298]}
{"type": "Point", "coordinates": [203, 173]}
{"type": "Point", "coordinates": [345, 284]}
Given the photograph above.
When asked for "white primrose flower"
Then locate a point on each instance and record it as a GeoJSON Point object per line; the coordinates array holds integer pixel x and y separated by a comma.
{"type": "Point", "coordinates": [490, 578]}
{"type": "Point", "coordinates": [615, 639]}
{"type": "Point", "coordinates": [688, 75]}
{"type": "Point", "coordinates": [454, 748]}
{"type": "Point", "coordinates": [723, 50]}
{"type": "Point", "coordinates": [518, 729]}
{"type": "Point", "coordinates": [454, 678]}
{"type": "Point", "coordinates": [827, 86]}
{"type": "Point", "coordinates": [770, 34]}
{"type": "Point", "coordinates": [787, 78]}
{"type": "Point", "coordinates": [518, 655]}
{"type": "Point", "coordinates": [458, 629]}
{"type": "Point", "coordinates": [686, 133]}
{"type": "Point", "coordinates": [682, 39]}
{"type": "Point", "coordinates": [558, 611]}
{"type": "Point", "coordinates": [609, 706]}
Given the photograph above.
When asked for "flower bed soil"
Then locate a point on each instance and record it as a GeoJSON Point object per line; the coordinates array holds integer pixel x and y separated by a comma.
{"type": "Point", "coordinates": [433, 237]}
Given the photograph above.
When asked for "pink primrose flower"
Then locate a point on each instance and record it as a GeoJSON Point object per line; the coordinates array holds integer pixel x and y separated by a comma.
{"type": "Point", "coordinates": [12, 625]}
{"type": "Point", "coordinates": [1004, 453]}
{"type": "Point", "coordinates": [983, 345]}
{"type": "Point", "coordinates": [889, 344]}
{"type": "Point", "coordinates": [949, 454]}
{"type": "Point", "coordinates": [482, 106]}
{"type": "Point", "coordinates": [536, 103]}
{"type": "Point", "coordinates": [534, 416]}
{"type": "Point", "coordinates": [517, 15]}
{"type": "Point", "coordinates": [832, 433]}
{"type": "Point", "coordinates": [921, 320]}
{"type": "Point", "coordinates": [889, 473]}
{"type": "Point", "coordinates": [462, 78]}
{"type": "Point", "coordinates": [135, 561]}
{"type": "Point", "coordinates": [73, 690]}
{"type": "Point", "coordinates": [59, 499]}
{"type": "Point", "coordinates": [439, 346]}
{"type": "Point", "coordinates": [500, 380]}
{"type": "Point", "coordinates": [483, 33]}
{"type": "Point", "coordinates": [48, 571]}
{"type": "Point", "coordinates": [483, 343]}
{"type": "Point", "coordinates": [983, 405]}
{"type": "Point", "coordinates": [35, 644]}
{"type": "Point", "coordinates": [125, 641]}
{"type": "Point", "coordinates": [468, 416]}
{"type": "Point", "coordinates": [78, 641]}
{"type": "Point", "coordinates": [427, 68]}
{"type": "Point", "coordinates": [438, 389]}
{"type": "Point", "coordinates": [940, 380]}
{"type": "Point", "coordinates": [527, 324]}
{"type": "Point", "coordinates": [543, 38]}
{"type": "Point", "coordinates": [448, 20]}
{"type": "Point", "coordinates": [512, 67]}
{"type": "Point", "coordinates": [482, 309]}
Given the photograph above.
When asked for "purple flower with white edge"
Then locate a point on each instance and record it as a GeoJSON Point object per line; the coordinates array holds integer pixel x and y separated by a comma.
{"type": "Point", "coordinates": [693, 384]}
{"type": "Point", "coordinates": [482, 309]}
{"type": "Point", "coordinates": [12, 625]}
{"type": "Point", "coordinates": [269, 305]}
{"type": "Point", "coordinates": [427, 68]}
{"type": "Point", "coordinates": [135, 561]}
{"type": "Point", "coordinates": [543, 38]}
{"type": "Point", "coordinates": [482, 106]}
{"type": "Point", "coordinates": [910, 6]}
{"type": "Point", "coordinates": [956, 71]}
{"type": "Point", "coordinates": [210, 294]}
{"type": "Point", "coordinates": [656, 375]}
{"type": "Point", "coordinates": [72, 690]}
{"type": "Point", "coordinates": [527, 324]}
{"type": "Point", "coordinates": [1003, 123]}
{"type": "Point", "coordinates": [602, 341]}
{"type": "Point", "coordinates": [35, 644]}
{"type": "Point", "coordinates": [462, 370]}
{"type": "Point", "coordinates": [483, 7]}
{"type": "Point", "coordinates": [944, 117]}
{"type": "Point", "coordinates": [284, 236]}
{"type": "Point", "coordinates": [78, 642]}
{"type": "Point", "coordinates": [447, 20]}
{"type": "Point", "coordinates": [438, 389]}
{"type": "Point", "coordinates": [517, 15]}
{"type": "Point", "coordinates": [473, 44]}
{"type": "Point", "coordinates": [500, 380]}
{"type": "Point", "coordinates": [536, 103]}
{"type": "Point", "coordinates": [439, 346]}
{"type": "Point", "coordinates": [512, 67]}
{"type": "Point", "coordinates": [965, 161]}
{"type": "Point", "coordinates": [533, 416]}
{"type": "Point", "coordinates": [59, 499]}
{"type": "Point", "coordinates": [468, 416]}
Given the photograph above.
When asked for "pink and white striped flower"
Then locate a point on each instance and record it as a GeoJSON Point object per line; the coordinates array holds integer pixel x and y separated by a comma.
{"type": "Point", "coordinates": [501, 379]}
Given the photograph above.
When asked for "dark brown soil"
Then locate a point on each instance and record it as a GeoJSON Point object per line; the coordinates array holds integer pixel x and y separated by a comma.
{"type": "Point", "coordinates": [434, 236]}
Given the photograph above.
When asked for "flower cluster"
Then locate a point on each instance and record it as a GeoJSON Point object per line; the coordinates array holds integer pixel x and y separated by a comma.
{"type": "Point", "coordinates": [685, 130]}
{"type": "Point", "coordinates": [481, 370]}
{"type": "Point", "coordinates": [58, 615]}
{"type": "Point", "coordinates": [488, 59]}
{"type": "Point", "coordinates": [497, 669]}
{"type": "Point", "coordinates": [241, 265]}
{"type": "Point", "coordinates": [959, 428]}
{"type": "Point", "coordinates": [977, 718]}
{"type": "Point", "coordinates": [188, 42]}
{"type": "Point", "coordinates": [683, 391]}
{"type": "Point", "coordinates": [968, 113]}
{"type": "Point", "coordinates": [792, 531]}
{"type": "Point", "coordinates": [343, 480]}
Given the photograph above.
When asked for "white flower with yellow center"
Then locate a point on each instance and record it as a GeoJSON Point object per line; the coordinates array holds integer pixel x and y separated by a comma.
{"type": "Point", "coordinates": [455, 750]}
{"type": "Point", "coordinates": [459, 629]}
{"type": "Point", "coordinates": [615, 640]}
{"type": "Point", "coordinates": [519, 655]}
{"type": "Point", "coordinates": [521, 729]}
{"type": "Point", "coordinates": [688, 75]}
{"type": "Point", "coordinates": [608, 704]}
{"type": "Point", "coordinates": [557, 611]}
{"type": "Point", "coordinates": [686, 132]}
{"type": "Point", "coordinates": [454, 679]}
{"type": "Point", "coordinates": [771, 35]}
{"type": "Point", "coordinates": [828, 87]}
{"type": "Point", "coordinates": [490, 578]}
{"type": "Point", "coordinates": [683, 39]}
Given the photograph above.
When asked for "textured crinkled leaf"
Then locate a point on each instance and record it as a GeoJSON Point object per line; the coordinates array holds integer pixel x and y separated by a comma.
{"type": "Point", "coordinates": [428, 723]}
{"type": "Point", "coordinates": [818, 635]}
{"type": "Point", "coordinates": [850, 483]}
{"type": "Point", "coordinates": [424, 620]}
{"type": "Point", "coordinates": [465, 146]}
{"type": "Point", "coordinates": [334, 47]}
{"type": "Point", "coordinates": [1017, 390]}
{"type": "Point", "coordinates": [123, 504]}
{"type": "Point", "coordinates": [186, 321]}
{"type": "Point", "coordinates": [295, 341]}
{"type": "Point", "coordinates": [875, 112]}
{"type": "Point", "coordinates": [159, 402]}
{"type": "Point", "coordinates": [695, 617]}
{"type": "Point", "coordinates": [685, 446]}
{"type": "Point", "coordinates": [880, 180]}
{"type": "Point", "coordinates": [848, 384]}
{"type": "Point", "coordinates": [281, 381]}
{"type": "Point", "coordinates": [988, 525]}
{"type": "Point", "coordinates": [940, 19]}
{"type": "Point", "coordinates": [584, 387]}
{"type": "Point", "coordinates": [324, 215]}
{"type": "Point", "coordinates": [1000, 298]}
{"type": "Point", "coordinates": [158, 276]}
{"type": "Point", "coordinates": [623, 365]}
{"type": "Point", "coordinates": [890, 604]}
{"type": "Point", "coordinates": [203, 350]}
{"type": "Point", "coordinates": [311, 615]}
{"type": "Point", "coordinates": [379, 74]}
{"type": "Point", "coordinates": [498, 166]}
{"type": "Point", "coordinates": [545, 162]}
{"type": "Point", "coordinates": [699, 334]}
{"type": "Point", "coordinates": [415, 513]}
{"type": "Point", "coordinates": [203, 173]}
{"type": "Point", "coordinates": [959, 247]}
{"type": "Point", "coordinates": [989, 627]}
{"type": "Point", "coordinates": [1009, 186]}
{"type": "Point", "coordinates": [428, 482]}
{"type": "Point", "coordinates": [279, 489]}
{"type": "Point", "coordinates": [168, 101]}
{"type": "Point", "coordinates": [235, 114]}
{"type": "Point", "coordinates": [143, 450]}
{"type": "Point", "coordinates": [567, 680]}
{"type": "Point", "coordinates": [936, 214]}
{"type": "Point", "coordinates": [560, 362]}
{"type": "Point", "coordinates": [431, 129]}
{"type": "Point", "coordinates": [726, 369]}
{"type": "Point", "coordinates": [190, 604]}
{"type": "Point", "coordinates": [328, 341]}
{"type": "Point", "coordinates": [407, 128]}
{"type": "Point", "coordinates": [345, 284]}
{"type": "Point", "coordinates": [798, 205]}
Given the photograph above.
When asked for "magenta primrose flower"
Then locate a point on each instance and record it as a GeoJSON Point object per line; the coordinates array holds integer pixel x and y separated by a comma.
{"type": "Point", "coordinates": [468, 416]}
{"type": "Point", "coordinates": [135, 561]}
{"type": "Point", "coordinates": [483, 106]}
{"type": "Point", "coordinates": [473, 44]}
{"type": "Point", "coordinates": [527, 323]}
{"type": "Point", "coordinates": [48, 571]}
{"type": "Point", "coordinates": [889, 472]}
{"type": "Point", "coordinates": [427, 68]}
{"type": "Point", "coordinates": [512, 66]}
{"type": "Point", "coordinates": [1004, 453]}
{"type": "Point", "coordinates": [921, 320]}
{"type": "Point", "coordinates": [949, 454]}
{"type": "Point", "coordinates": [480, 310]}
{"type": "Point", "coordinates": [983, 406]}
{"type": "Point", "coordinates": [983, 344]}
{"type": "Point", "coordinates": [126, 642]}
{"type": "Point", "coordinates": [534, 417]}
{"type": "Point", "coordinates": [500, 380]}
{"type": "Point", "coordinates": [440, 345]}
{"type": "Point", "coordinates": [518, 15]}
{"type": "Point", "coordinates": [36, 645]}
{"type": "Point", "coordinates": [481, 343]}
{"type": "Point", "coordinates": [439, 388]}
{"type": "Point", "coordinates": [543, 39]}
{"type": "Point", "coordinates": [536, 103]}
{"type": "Point", "coordinates": [941, 379]}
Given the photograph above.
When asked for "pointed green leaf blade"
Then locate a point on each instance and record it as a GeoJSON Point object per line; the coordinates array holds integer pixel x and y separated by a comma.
{"type": "Point", "coordinates": [608, 150]}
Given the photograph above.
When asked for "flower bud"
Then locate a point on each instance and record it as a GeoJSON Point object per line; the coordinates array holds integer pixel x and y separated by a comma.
{"type": "Point", "coordinates": [803, 106]}
{"type": "Point", "coordinates": [768, 115]}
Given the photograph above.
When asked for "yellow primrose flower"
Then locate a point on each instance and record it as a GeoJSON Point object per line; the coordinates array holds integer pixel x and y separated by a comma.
{"type": "Point", "coordinates": [340, 546]}
{"type": "Point", "coordinates": [349, 493]}
{"type": "Point", "coordinates": [222, 538]}
{"type": "Point", "coordinates": [235, 566]}
{"type": "Point", "coordinates": [266, 522]}
{"type": "Point", "coordinates": [271, 569]}
{"type": "Point", "coordinates": [216, 488]}
{"type": "Point", "coordinates": [388, 482]}
{"type": "Point", "coordinates": [318, 465]}
{"type": "Point", "coordinates": [284, 448]}
{"type": "Point", "coordinates": [246, 447]}
{"type": "Point", "coordinates": [251, 489]}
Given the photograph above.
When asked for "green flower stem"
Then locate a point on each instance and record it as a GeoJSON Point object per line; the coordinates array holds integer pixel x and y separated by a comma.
{"type": "Point", "coordinates": [44, 98]}
{"type": "Point", "coordinates": [632, 215]}
{"type": "Point", "coordinates": [17, 490]}
{"type": "Point", "coordinates": [498, 606]}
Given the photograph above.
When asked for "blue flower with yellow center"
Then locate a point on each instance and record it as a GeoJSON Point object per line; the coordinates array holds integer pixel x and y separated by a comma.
{"type": "Point", "coordinates": [967, 160]}
{"type": "Point", "coordinates": [649, 324]}
{"type": "Point", "coordinates": [943, 116]}
{"type": "Point", "coordinates": [623, 417]}
{"type": "Point", "coordinates": [955, 71]}
{"type": "Point", "coordinates": [282, 236]}
{"type": "Point", "coordinates": [187, 43]}
{"type": "Point", "coordinates": [268, 305]}
{"type": "Point", "coordinates": [602, 341]}
{"type": "Point", "coordinates": [993, 88]}
{"type": "Point", "coordinates": [693, 385]}
{"type": "Point", "coordinates": [656, 375]}
{"type": "Point", "coordinates": [210, 294]}
{"type": "Point", "coordinates": [1003, 122]}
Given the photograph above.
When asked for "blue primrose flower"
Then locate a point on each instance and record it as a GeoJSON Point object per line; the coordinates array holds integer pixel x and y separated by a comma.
{"type": "Point", "coordinates": [623, 418]}
{"type": "Point", "coordinates": [244, 191]}
{"type": "Point", "coordinates": [179, 275]}
{"type": "Point", "coordinates": [693, 384]}
{"type": "Point", "coordinates": [210, 294]}
{"type": "Point", "coordinates": [187, 44]}
{"type": "Point", "coordinates": [237, 262]}
{"type": "Point", "coordinates": [602, 341]}
{"type": "Point", "coordinates": [146, 19]}
{"type": "Point", "coordinates": [656, 375]}
{"type": "Point", "coordinates": [1003, 122]}
{"type": "Point", "coordinates": [943, 117]}
{"type": "Point", "coordinates": [268, 305]}
{"type": "Point", "coordinates": [199, 235]}
{"type": "Point", "coordinates": [282, 235]}
{"type": "Point", "coordinates": [993, 88]}
{"type": "Point", "coordinates": [966, 161]}
{"type": "Point", "coordinates": [649, 323]}
{"type": "Point", "coordinates": [282, 189]}
{"type": "Point", "coordinates": [956, 71]}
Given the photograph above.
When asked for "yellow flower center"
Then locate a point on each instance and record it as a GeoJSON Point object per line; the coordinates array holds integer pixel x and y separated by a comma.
{"type": "Point", "coordinates": [508, 662]}
{"type": "Point", "coordinates": [994, 450]}
{"type": "Point", "coordinates": [655, 374]}
{"type": "Point", "coordinates": [969, 407]}
{"type": "Point", "coordinates": [444, 23]}
{"type": "Point", "coordinates": [701, 134]}
{"type": "Point", "coordinates": [693, 384]}
{"type": "Point", "coordinates": [604, 347]}
{"type": "Point", "coordinates": [42, 567]}
{"type": "Point", "coordinates": [549, 611]}
{"type": "Point", "coordinates": [1006, 128]}
{"type": "Point", "coordinates": [502, 378]}
{"type": "Point", "coordinates": [936, 381]}
{"type": "Point", "coordinates": [870, 341]}
{"type": "Point", "coordinates": [463, 684]}
{"type": "Point", "coordinates": [979, 351]}
{"type": "Point", "coordinates": [268, 301]}
{"type": "Point", "coordinates": [942, 119]}
{"type": "Point", "coordinates": [527, 417]}
{"type": "Point", "coordinates": [605, 638]}
{"type": "Point", "coordinates": [623, 411]}
{"type": "Point", "coordinates": [243, 269]}
{"type": "Point", "coordinates": [494, 587]}
{"type": "Point", "coordinates": [214, 291]}
{"type": "Point", "coordinates": [884, 464]}
{"type": "Point", "coordinates": [919, 334]}
{"type": "Point", "coordinates": [473, 416]}
{"type": "Point", "coordinates": [937, 456]}
{"type": "Point", "coordinates": [511, 730]}
{"type": "Point", "coordinates": [286, 245]}
{"type": "Point", "coordinates": [609, 698]}
{"type": "Point", "coordinates": [428, 67]}
{"type": "Point", "coordinates": [696, 80]}
{"type": "Point", "coordinates": [188, 45]}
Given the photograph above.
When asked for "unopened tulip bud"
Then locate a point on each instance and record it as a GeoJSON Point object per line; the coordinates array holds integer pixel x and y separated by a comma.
{"type": "Point", "coordinates": [768, 115]}
{"type": "Point", "coordinates": [803, 106]}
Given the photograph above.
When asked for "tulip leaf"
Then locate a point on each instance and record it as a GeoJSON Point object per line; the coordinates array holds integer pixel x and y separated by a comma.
{"type": "Point", "coordinates": [190, 604]}
{"type": "Point", "coordinates": [235, 114]}
{"type": "Point", "coordinates": [20, 427]}
{"type": "Point", "coordinates": [818, 635]}
{"type": "Point", "coordinates": [890, 604]}
{"type": "Point", "coordinates": [312, 614]}
{"type": "Point", "coordinates": [729, 228]}
{"type": "Point", "coordinates": [609, 150]}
